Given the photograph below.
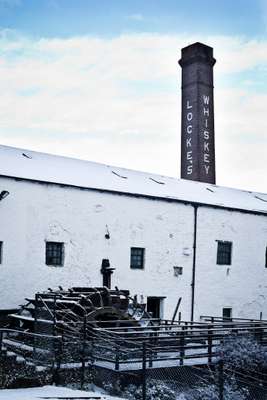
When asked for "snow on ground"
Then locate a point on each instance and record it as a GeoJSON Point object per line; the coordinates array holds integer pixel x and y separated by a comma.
{"type": "Point", "coordinates": [53, 393]}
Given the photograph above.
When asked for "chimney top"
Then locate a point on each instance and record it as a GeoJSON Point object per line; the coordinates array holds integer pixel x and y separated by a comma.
{"type": "Point", "coordinates": [197, 52]}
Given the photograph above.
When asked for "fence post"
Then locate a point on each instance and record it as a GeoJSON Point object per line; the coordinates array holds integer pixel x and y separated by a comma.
{"type": "Point", "coordinates": [35, 326]}
{"type": "Point", "coordinates": [91, 364]}
{"type": "Point", "coordinates": [92, 351]}
{"type": "Point", "coordinates": [182, 345]}
{"type": "Point", "coordinates": [210, 328]}
{"type": "Point", "coordinates": [58, 355]}
{"type": "Point", "coordinates": [179, 317]}
{"type": "Point", "coordinates": [117, 357]}
{"type": "Point", "coordinates": [221, 382]}
{"type": "Point", "coordinates": [1, 342]}
{"type": "Point", "coordinates": [150, 359]}
{"type": "Point", "coordinates": [54, 314]}
{"type": "Point", "coordinates": [144, 372]}
{"type": "Point", "coordinates": [83, 351]}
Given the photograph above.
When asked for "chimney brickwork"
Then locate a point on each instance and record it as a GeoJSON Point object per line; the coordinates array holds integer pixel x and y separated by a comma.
{"type": "Point", "coordinates": [197, 139]}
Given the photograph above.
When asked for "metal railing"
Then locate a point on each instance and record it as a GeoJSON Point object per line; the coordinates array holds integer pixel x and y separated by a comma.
{"type": "Point", "coordinates": [39, 351]}
{"type": "Point", "coordinates": [157, 345]}
{"type": "Point", "coordinates": [169, 344]}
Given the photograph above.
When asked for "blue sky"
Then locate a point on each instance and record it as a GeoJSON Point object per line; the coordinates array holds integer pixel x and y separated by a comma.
{"type": "Point", "coordinates": [99, 80]}
{"type": "Point", "coordinates": [65, 18]}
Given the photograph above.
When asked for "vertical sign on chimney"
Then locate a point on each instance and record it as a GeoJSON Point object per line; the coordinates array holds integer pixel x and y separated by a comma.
{"type": "Point", "coordinates": [197, 150]}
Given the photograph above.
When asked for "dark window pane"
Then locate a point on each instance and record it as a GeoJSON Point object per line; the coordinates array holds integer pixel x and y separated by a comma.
{"type": "Point", "coordinates": [1, 252]}
{"type": "Point", "coordinates": [54, 253]}
{"type": "Point", "coordinates": [137, 257]}
{"type": "Point", "coordinates": [224, 253]}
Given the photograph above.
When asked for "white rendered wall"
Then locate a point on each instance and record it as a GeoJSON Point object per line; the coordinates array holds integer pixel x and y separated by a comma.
{"type": "Point", "coordinates": [34, 213]}
{"type": "Point", "coordinates": [241, 285]}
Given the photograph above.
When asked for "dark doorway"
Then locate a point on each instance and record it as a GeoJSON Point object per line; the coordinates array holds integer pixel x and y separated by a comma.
{"type": "Point", "coordinates": [154, 306]}
{"type": "Point", "coordinates": [227, 313]}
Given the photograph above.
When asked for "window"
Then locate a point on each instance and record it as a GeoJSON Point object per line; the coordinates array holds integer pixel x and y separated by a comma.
{"type": "Point", "coordinates": [227, 313]}
{"type": "Point", "coordinates": [177, 271]}
{"type": "Point", "coordinates": [224, 253]}
{"type": "Point", "coordinates": [1, 252]}
{"type": "Point", "coordinates": [54, 253]}
{"type": "Point", "coordinates": [137, 257]}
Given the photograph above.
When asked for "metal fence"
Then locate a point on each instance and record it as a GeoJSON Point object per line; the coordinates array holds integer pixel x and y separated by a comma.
{"type": "Point", "coordinates": [168, 344]}
{"type": "Point", "coordinates": [166, 360]}
{"type": "Point", "coordinates": [26, 357]}
{"type": "Point", "coordinates": [157, 360]}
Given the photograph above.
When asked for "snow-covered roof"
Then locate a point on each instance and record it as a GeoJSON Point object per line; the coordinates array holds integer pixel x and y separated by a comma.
{"type": "Point", "coordinates": [43, 167]}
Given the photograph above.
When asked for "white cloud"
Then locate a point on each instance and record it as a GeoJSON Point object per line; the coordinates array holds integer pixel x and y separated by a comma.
{"type": "Point", "coordinates": [118, 101]}
{"type": "Point", "coordinates": [136, 17]}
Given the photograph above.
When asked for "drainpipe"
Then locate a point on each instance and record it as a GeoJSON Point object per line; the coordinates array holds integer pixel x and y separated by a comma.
{"type": "Point", "coordinates": [194, 263]}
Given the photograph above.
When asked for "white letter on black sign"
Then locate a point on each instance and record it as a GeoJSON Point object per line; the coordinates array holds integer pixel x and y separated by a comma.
{"type": "Point", "coordinates": [189, 116]}
{"type": "Point", "coordinates": [188, 105]}
{"type": "Point", "coordinates": [189, 129]}
{"type": "Point", "coordinates": [206, 111]}
{"type": "Point", "coordinates": [206, 99]}
{"type": "Point", "coordinates": [207, 167]}
{"type": "Point", "coordinates": [189, 155]}
{"type": "Point", "coordinates": [206, 146]}
{"type": "Point", "coordinates": [189, 170]}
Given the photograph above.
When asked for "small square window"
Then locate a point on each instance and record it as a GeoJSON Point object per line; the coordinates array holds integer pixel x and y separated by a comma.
{"type": "Point", "coordinates": [1, 252]}
{"type": "Point", "coordinates": [137, 257]}
{"type": "Point", "coordinates": [224, 253]}
{"type": "Point", "coordinates": [54, 253]}
{"type": "Point", "coordinates": [177, 271]}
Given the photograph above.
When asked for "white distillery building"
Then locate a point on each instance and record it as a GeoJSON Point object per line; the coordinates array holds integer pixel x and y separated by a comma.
{"type": "Point", "coordinates": [166, 238]}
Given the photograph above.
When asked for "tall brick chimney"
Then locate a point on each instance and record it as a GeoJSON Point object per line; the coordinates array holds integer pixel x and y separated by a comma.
{"type": "Point", "coordinates": [197, 149]}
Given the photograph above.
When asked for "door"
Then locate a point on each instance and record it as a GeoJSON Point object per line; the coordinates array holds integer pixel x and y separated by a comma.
{"type": "Point", "coordinates": [155, 306]}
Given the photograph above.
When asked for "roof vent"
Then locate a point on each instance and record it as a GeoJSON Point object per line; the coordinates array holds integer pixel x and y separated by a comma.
{"type": "Point", "coordinates": [26, 155]}
{"type": "Point", "coordinates": [120, 176]}
{"type": "Point", "coordinates": [159, 182]}
{"type": "Point", "coordinates": [259, 198]}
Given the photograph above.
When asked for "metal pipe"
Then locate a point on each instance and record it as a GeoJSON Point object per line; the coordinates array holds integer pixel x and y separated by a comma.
{"type": "Point", "coordinates": [194, 263]}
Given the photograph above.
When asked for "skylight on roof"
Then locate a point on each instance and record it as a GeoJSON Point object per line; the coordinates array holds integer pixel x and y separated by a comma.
{"type": "Point", "coordinates": [26, 155]}
{"type": "Point", "coordinates": [259, 198]}
{"type": "Point", "coordinates": [159, 182]}
{"type": "Point", "coordinates": [120, 176]}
